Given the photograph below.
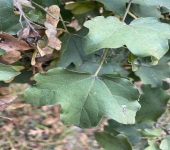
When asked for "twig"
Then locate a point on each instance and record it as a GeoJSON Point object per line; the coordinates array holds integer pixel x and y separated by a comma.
{"type": "Point", "coordinates": [37, 25]}
{"type": "Point", "coordinates": [47, 11]}
{"type": "Point", "coordinates": [101, 55]}
{"type": "Point", "coordinates": [127, 10]}
{"type": "Point", "coordinates": [132, 15]}
{"type": "Point", "coordinates": [68, 32]}
{"type": "Point", "coordinates": [6, 118]}
{"type": "Point", "coordinates": [63, 23]}
{"type": "Point", "coordinates": [22, 14]}
{"type": "Point", "coordinates": [165, 130]}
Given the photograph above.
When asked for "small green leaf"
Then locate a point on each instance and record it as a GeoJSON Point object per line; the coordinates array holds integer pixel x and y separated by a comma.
{"type": "Point", "coordinates": [150, 36]}
{"type": "Point", "coordinates": [110, 142]}
{"type": "Point", "coordinates": [150, 132]}
{"type": "Point", "coordinates": [165, 144]}
{"type": "Point", "coordinates": [2, 51]}
{"type": "Point", "coordinates": [153, 102]}
{"type": "Point", "coordinates": [128, 130]}
{"type": "Point", "coordinates": [154, 74]}
{"type": "Point", "coordinates": [82, 7]}
{"type": "Point", "coordinates": [7, 72]}
{"type": "Point", "coordinates": [153, 146]}
{"type": "Point", "coordinates": [85, 98]}
{"type": "Point", "coordinates": [9, 21]}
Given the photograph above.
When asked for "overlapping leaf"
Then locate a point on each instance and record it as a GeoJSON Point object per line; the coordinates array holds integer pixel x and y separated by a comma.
{"type": "Point", "coordinates": [128, 130]}
{"type": "Point", "coordinates": [85, 98]}
{"type": "Point", "coordinates": [165, 144]}
{"type": "Point", "coordinates": [150, 132]}
{"type": "Point", "coordinates": [152, 146]}
{"type": "Point", "coordinates": [10, 43]}
{"type": "Point", "coordinates": [143, 37]}
{"type": "Point", "coordinates": [9, 21]}
{"type": "Point", "coordinates": [7, 72]}
{"type": "Point", "coordinates": [154, 74]}
{"type": "Point", "coordinates": [110, 142]}
{"type": "Point", "coordinates": [73, 53]}
{"type": "Point", "coordinates": [145, 11]}
{"type": "Point", "coordinates": [118, 6]}
{"type": "Point", "coordinates": [82, 7]}
{"type": "Point", "coordinates": [153, 102]}
{"type": "Point", "coordinates": [91, 66]}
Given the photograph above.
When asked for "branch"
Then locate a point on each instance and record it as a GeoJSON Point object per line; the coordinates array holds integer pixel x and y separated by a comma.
{"type": "Point", "coordinates": [47, 11]}
{"type": "Point", "coordinates": [127, 10]}
{"type": "Point", "coordinates": [22, 14]}
{"type": "Point", "coordinates": [165, 130]}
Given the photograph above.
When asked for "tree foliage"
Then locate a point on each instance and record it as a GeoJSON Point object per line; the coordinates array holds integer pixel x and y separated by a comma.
{"type": "Point", "coordinates": [91, 66]}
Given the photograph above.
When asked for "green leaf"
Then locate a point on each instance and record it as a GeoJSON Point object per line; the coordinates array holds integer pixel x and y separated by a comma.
{"type": "Point", "coordinates": [23, 77]}
{"type": "Point", "coordinates": [150, 132]}
{"type": "Point", "coordinates": [85, 98]}
{"type": "Point", "coordinates": [153, 102]}
{"type": "Point", "coordinates": [128, 130]}
{"type": "Point", "coordinates": [9, 21]}
{"type": "Point", "coordinates": [2, 51]}
{"type": "Point", "coordinates": [150, 36]}
{"type": "Point", "coordinates": [82, 7]}
{"type": "Point", "coordinates": [165, 144]}
{"type": "Point", "coordinates": [145, 11]}
{"type": "Point", "coordinates": [7, 72]}
{"type": "Point", "coordinates": [74, 52]}
{"type": "Point", "coordinates": [164, 10]}
{"type": "Point", "coordinates": [81, 17]}
{"type": "Point", "coordinates": [118, 6]}
{"type": "Point", "coordinates": [154, 74]}
{"type": "Point", "coordinates": [141, 145]}
{"type": "Point", "coordinates": [108, 67]}
{"type": "Point", "coordinates": [110, 142]}
{"type": "Point", "coordinates": [153, 146]}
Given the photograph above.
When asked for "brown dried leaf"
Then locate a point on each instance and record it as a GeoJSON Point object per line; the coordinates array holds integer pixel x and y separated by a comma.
{"type": "Point", "coordinates": [9, 43]}
{"type": "Point", "coordinates": [15, 106]}
{"type": "Point", "coordinates": [55, 11]}
{"type": "Point", "coordinates": [8, 81]}
{"type": "Point", "coordinates": [33, 62]}
{"type": "Point", "coordinates": [23, 33]}
{"type": "Point", "coordinates": [6, 100]}
{"type": "Point", "coordinates": [10, 57]}
{"type": "Point", "coordinates": [25, 3]}
{"type": "Point", "coordinates": [43, 44]}
{"type": "Point", "coordinates": [5, 90]}
{"type": "Point", "coordinates": [41, 60]}
{"type": "Point", "coordinates": [51, 33]}
{"type": "Point", "coordinates": [27, 32]}
{"type": "Point", "coordinates": [51, 25]}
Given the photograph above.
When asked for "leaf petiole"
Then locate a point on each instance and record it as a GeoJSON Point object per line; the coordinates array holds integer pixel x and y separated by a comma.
{"type": "Point", "coordinates": [104, 56]}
